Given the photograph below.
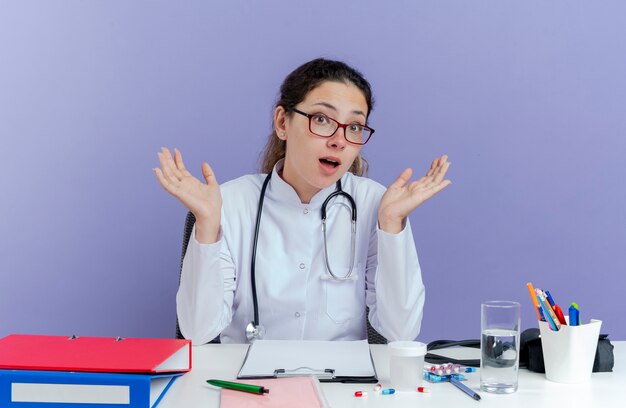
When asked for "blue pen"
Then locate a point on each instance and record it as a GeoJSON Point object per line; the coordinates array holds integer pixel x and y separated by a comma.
{"type": "Point", "coordinates": [550, 299]}
{"type": "Point", "coordinates": [465, 389]}
{"type": "Point", "coordinates": [574, 315]}
{"type": "Point", "coordinates": [543, 318]}
{"type": "Point", "coordinates": [580, 319]}
{"type": "Point", "coordinates": [547, 314]}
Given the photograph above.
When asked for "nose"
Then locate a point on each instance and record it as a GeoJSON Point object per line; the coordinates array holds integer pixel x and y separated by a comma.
{"type": "Point", "coordinates": [338, 140]}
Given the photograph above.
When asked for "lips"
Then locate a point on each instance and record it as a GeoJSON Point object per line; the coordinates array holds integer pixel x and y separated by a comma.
{"type": "Point", "coordinates": [329, 165]}
{"type": "Point", "coordinates": [330, 161]}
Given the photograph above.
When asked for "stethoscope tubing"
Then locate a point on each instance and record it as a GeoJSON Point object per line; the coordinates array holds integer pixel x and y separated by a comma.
{"type": "Point", "coordinates": [256, 327]}
{"type": "Point", "coordinates": [337, 193]}
{"type": "Point", "coordinates": [253, 261]}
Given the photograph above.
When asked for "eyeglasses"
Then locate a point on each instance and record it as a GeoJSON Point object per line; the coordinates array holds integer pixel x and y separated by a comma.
{"type": "Point", "coordinates": [322, 125]}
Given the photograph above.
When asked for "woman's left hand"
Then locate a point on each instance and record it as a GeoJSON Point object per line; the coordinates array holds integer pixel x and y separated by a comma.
{"type": "Point", "coordinates": [402, 196]}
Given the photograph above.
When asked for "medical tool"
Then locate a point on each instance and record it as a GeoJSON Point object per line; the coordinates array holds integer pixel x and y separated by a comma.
{"type": "Point", "coordinates": [254, 330]}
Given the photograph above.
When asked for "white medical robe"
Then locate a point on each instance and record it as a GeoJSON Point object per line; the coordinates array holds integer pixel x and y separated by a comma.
{"type": "Point", "coordinates": [296, 297]}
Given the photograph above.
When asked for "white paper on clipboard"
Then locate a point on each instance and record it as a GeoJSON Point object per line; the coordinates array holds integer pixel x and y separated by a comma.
{"type": "Point", "coordinates": [347, 360]}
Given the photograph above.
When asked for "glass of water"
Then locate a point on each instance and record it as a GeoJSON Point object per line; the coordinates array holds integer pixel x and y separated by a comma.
{"type": "Point", "coordinates": [499, 346]}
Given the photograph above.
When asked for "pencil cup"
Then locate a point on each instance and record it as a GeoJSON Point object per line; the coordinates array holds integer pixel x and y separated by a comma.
{"type": "Point", "coordinates": [406, 364]}
{"type": "Point", "coordinates": [568, 353]}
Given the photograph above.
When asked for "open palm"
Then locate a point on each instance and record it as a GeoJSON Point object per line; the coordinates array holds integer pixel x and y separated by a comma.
{"type": "Point", "coordinates": [403, 196]}
{"type": "Point", "coordinates": [203, 200]}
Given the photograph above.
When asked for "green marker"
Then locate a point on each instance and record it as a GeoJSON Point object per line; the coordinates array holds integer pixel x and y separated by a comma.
{"type": "Point", "coordinates": [253, 389]}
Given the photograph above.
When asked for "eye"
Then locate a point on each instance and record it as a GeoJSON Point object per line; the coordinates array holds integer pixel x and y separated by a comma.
{"type": "Point", "coordinates": [320, 120]}
{"type": "Point", "coordinates": [355, 128]}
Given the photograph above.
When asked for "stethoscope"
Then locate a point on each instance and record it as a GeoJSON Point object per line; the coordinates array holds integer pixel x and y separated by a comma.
{"type": "Point", "coordinates": [254, 330]}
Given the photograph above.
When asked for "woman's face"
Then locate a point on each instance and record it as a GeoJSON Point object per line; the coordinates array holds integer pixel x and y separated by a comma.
{"type": "Point", "coordinates": [313, 162]}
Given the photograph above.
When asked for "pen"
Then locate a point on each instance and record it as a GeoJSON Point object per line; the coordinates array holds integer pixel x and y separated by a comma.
{"type": "Point", "coordinates": [465, 388]}
{"type": "Point", "coordinates": [543, 319]}
{"type": "Point", "coordinates": [574, 315]}
{"type": "Point", "coordinates": [253, 389]}
{"type": "Point", "coordinates": [548, 312]}
{"type": "Point", "coordinates": [550, 298]}
{"type": "Point", "coordinates": [559, 314]}
{"type": "Point", "coordinates": [545, 311]}
{"type": "Point", "coordinates": [556, 308]}
{"type": "Point", "coordinates": [533, 297]}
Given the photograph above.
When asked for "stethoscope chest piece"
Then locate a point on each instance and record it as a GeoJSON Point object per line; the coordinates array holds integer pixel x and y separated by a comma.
{"type": "Point", "coordinates": [254, 332]}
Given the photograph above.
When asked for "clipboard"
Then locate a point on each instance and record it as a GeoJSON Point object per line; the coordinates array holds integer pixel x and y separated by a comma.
{"type": "Point", "coordinates": [328, 361]}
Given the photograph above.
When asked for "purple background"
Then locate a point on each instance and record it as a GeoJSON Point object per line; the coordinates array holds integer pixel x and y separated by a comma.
{"type": "Point", "coordinates": [527, 98]}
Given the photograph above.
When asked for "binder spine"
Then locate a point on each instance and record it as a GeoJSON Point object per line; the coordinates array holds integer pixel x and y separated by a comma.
{"type": "Point", "coordinates": [49, 389]}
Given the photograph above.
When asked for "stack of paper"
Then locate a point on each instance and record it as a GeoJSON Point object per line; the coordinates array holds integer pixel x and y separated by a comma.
{"type": "Point", "coordinates": [301, 392]}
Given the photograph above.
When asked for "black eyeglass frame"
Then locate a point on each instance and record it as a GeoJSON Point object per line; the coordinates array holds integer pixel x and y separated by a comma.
{"type": "Point", "coordinates": [339, 125]}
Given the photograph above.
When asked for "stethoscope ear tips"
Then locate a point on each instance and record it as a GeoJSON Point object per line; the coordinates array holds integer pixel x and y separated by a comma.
{"type": "Point", "coordinates": [254, 332]}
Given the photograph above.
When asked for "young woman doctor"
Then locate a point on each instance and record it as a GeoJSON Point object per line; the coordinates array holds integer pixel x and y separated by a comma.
{"type": "Point", "coordinates": [262, 263]}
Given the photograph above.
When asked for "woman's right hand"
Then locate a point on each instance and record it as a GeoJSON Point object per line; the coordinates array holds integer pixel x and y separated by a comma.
{"type": "Point", "coordinates": [203, 200]}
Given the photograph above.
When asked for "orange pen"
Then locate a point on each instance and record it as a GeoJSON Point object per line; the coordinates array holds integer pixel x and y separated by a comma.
{"type": "Point", "coordinates": [533, 296]}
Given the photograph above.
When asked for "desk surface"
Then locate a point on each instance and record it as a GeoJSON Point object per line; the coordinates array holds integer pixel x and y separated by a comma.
{"type": "Point", "coordinates": [223, 361]}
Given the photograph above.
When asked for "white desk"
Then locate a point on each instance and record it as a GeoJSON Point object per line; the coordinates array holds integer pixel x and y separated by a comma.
{"type": "Point", "coordinates": [223, 361]}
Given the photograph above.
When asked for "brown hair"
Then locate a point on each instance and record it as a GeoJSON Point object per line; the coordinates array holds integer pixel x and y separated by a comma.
{"type": "Point", "coordinates": [294, 90]}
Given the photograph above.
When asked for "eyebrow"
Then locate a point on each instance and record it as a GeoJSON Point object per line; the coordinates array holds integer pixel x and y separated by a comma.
{"type": "Point", "coordinates": [329, 106]}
